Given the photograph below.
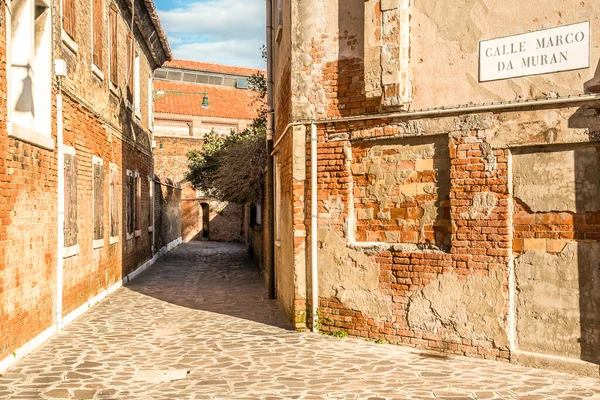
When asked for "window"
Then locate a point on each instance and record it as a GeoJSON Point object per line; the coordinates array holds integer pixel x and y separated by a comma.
{"type": "Point", "coordinates": [98, 203]}
{"type": "Point", "coordinates": [68, 17]}
{"type": "Point", "coordinates": [70, 227]}
{"type": "Point", "coordinates": [256, 212]}
{"type": "Point", "coordinates": [113, 43]}
{"type": "Point", "coordinates": [129, 67]}
{"type": "Point", "coordinates": [97, 32]}
{"type": "Point", "coordinates": [114, 203]}
{"type": "Point", "coordinates": [138, 204]}
{"type": "Point", "coordinates": [280, 13]}
{"type": "Point", "coordinates": [29, 72]}
{"type": "Point", "coordinates": [150, 204]}
{"type": "Point", "coordinates": [277, 198]}
{"type": "Point", "coordinates": [279, 20]}
{"type": "Point", "coordinates": [136, 86]}
{"type": "Point", "coordinates": [150, 103]}
{"type": "Point", "coordinates": [130, 199]}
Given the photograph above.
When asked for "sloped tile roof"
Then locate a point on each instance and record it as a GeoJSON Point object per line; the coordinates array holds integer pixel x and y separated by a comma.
{"type": "Point", "coordinates": [209, 67]}
{"type": "Point", "coordinates": [224, 102]}
{"type": "Point", "coordinates": [162, 36]}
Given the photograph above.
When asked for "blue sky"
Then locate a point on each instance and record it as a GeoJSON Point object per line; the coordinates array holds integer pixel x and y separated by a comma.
{"type": "Point", "coordinates": [220, 31]}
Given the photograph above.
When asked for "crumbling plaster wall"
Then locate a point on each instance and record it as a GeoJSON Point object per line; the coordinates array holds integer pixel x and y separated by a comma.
{"type": "Point", "coordinates": [309, 21]}
{"type": "Point", "coordinates": [558, 302]}
{"type": "Point", "coordinates": [564, 180]}
{"type": "Point", "coordinates": [350, 276]}
{"type": "Point", "coordinates": [460, 301]}
{"type": "Point", "coordinates": [557, 243]}
{"type": "Point", "coordinates": [469, 308]}
{"type": "Point", "coordinates": [444, 48]}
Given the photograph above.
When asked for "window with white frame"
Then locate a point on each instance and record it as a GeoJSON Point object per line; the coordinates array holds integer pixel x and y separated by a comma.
{"type": "Point", "coordinates": [280, 13]}
{"type": "Point", "coordinates": [277, 198]}
{"type": "Point", "coordinates": [130, 203]}
{"type": "Point", "coordinates": [150, 204]}
{"type": "Point", "coordinates": [98, 200]}
{"type": "Point", "coordinates": [136, 86]}
{"type": "Point", "coordinates": [98, 37]}
{"type": "Point", "coordinates": [150, 103]}
{"type": "Point", "coordinates": [114, 203]}
{"type": "Point", "coordinates": [71, 228]}
{"type": "Point", "coordinates": [279, 20]}
{"type": "Point", "coordinates": [29, 71]}
{"type": "Point", "coordinates": [138, 204]}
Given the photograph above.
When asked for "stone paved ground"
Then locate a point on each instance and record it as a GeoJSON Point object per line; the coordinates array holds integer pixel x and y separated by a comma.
{"type": "Point", "coordinates": [201, 314]}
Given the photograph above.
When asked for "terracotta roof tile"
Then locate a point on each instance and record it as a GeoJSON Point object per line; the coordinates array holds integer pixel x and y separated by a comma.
{"type": "Point", "coordinates": [209, 67]}
{"type": "Point", "coordinates": [224, 102]}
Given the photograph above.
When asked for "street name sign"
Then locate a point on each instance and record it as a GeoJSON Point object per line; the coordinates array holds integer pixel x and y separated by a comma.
{"type": "Point", "coordinates": [564, 48]}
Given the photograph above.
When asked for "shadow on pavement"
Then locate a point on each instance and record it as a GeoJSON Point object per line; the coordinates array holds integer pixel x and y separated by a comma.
{"type": "Point", "coordinates": [215, 277]}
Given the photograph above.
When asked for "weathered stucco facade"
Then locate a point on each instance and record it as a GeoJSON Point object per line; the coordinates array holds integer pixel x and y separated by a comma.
{"type": "Point", "coordinates": [453, 214]}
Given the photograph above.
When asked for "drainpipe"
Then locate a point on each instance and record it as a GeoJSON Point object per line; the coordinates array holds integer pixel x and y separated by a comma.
{"type": "Point", "coordinates": [60, 234]}
{"type": "Point", "coordinates": [270, 117]}
{"type": "Point", "coordinates": [313, 228]}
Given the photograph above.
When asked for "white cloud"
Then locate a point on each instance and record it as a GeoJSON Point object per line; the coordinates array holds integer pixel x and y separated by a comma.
{"type": "Point", "coordinates": [241, 52]}
{"type": "Point", "coordinates": [223, 31]}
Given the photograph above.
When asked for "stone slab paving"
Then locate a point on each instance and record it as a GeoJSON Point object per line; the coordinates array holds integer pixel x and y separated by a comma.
{"type": "Point", "coordinates": [199, 325]}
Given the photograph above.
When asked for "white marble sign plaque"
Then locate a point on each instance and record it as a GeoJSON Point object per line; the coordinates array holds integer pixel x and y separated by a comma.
{"type": "Point", "coordinates": [551, 50]}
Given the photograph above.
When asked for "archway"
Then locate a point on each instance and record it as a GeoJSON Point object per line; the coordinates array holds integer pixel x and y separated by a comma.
{"type": "Point", "coordinates": [205, 220]}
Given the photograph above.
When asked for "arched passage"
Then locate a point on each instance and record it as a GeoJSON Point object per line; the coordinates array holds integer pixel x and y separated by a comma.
{"type": "Point", "coordinates": [205, 220]}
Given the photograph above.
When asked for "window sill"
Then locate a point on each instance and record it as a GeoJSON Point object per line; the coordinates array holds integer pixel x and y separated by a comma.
{"type": "Point", "coordinates": [278, 243]}
{"type": "Point", "coordinates": [129, 236]}
{"type": "Point", "coordinates": [256, 227]}
{"type": "Point", "coordinates": [279, 34]}
{"type": "Point", "coordinates": [72, 251]}
{"type": "Point", "coordinates": [113, 89]}
{"type": "Point", "coordinates": [97, 72]}
{"type": "Point", "coordinates": [138, 233]}
{"type": "Point", "coordinates": [98, 243]}
{"type": "Point", "coordinates": [150, 229]}
{"type": "Point", "coordinates": [29, 136]}
{"type": "Point", "coordinates": [113, 240]}
{"type": "Point", "coordinates": [69, 42]}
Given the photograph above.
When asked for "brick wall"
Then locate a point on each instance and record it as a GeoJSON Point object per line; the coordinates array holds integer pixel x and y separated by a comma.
{"type": "Point", "coordinates": [170, 156]}
{"type": "Point", "coordinates": [401, 192]}
{"type": "Point", "coordinates": [167, 213]}
{"type": "Point", "coordinates": [171, 162]}
{"type": "Point", "coordinates": [27, 221]}
{"type": "Point", "coordinates": [386, 281]}
{"type": "Point", "coordinates": [473, 233]}
{"type": "Point", "coordinates": [97, 126]}
{"type": "Point", "coordinates": [500, 230]}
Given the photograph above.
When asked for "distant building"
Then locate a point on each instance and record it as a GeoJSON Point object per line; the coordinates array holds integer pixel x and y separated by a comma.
{"type": "Point", "coordinates": [192, 99]}
{"type": "Point", "coordinates": [78, 195]}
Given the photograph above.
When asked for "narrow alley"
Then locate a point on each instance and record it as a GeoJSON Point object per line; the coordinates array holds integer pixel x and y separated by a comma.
{"type": "Point", "coordinates": [199, 325]}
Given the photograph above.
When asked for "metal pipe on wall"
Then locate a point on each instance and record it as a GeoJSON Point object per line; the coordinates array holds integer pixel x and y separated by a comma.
{"type": "Point", "coordinates": [60, 234]}
{"type": "Point", "coordinates": [314, 263]}
{"type": "Point", "coordinates": [270, 231]}
{"type": "Point", "coordinates": [435, 112]}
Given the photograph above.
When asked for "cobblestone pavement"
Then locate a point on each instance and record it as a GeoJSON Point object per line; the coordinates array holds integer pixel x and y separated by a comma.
{"type": "Point", "coordinates": [198, 325]}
